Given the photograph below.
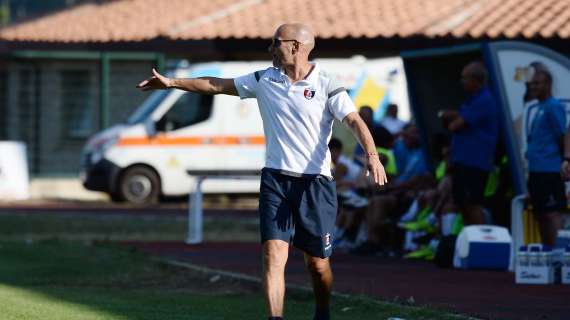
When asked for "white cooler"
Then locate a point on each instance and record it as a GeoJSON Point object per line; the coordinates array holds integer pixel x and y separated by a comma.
{"type": "Point", "coordinates": [483, 247]}
{"type": "Point", "coordinates": [14, 180]}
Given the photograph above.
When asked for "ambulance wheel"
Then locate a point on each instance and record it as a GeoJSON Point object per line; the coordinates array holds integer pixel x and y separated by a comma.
{"type": "Point", "coordinates": [140, 185]}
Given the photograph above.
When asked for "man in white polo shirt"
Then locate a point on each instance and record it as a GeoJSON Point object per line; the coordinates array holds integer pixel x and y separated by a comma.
{"type": "Point", "coordinates": [298, 103]}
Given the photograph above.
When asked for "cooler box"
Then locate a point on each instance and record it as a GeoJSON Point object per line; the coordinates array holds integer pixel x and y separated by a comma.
{"type": "Point", "coordinates": [483, 247]}
{"type": "Point", "coordinates": [565, 270]}
{"type": "Point", "coordinates": [14, 180]}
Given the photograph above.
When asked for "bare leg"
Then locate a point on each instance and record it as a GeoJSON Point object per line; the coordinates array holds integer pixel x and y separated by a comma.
{"type": "Point", "coordinates": [322, 277]}
{"type": "Point", "coordinates": [275, 253]}
{"type": "Point", "coordinates": [550, 223]}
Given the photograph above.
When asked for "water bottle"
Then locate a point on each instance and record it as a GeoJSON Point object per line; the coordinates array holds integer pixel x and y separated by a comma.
{"type": "Point", "coordinates": [545, 258]}
{"type": "Point", "coordinates": [522, 257]}
{"type": "Point", "coordinates": [566, 259]}
{"type": "Point", "coordinates": [533, 255]}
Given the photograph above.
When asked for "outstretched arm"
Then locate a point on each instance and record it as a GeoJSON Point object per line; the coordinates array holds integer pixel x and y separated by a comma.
{"type": "Point", "coordinates": [204, 85]}
{"type": "Point", "coordinates": [361, 132]}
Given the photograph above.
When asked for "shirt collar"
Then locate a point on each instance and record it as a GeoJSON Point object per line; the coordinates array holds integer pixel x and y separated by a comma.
{"type": "Point", "coordinates": [477, 94]}
{"type": "Point", "coordinates": [548, 100]}
{"type": "Point", "coordinates": [313, 74]}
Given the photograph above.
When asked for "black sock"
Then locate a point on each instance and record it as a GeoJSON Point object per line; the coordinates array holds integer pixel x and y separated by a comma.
{"type": "Point", "coordinates": [275, 318]}
{"type": "Point", "coordinates": [322, 314]}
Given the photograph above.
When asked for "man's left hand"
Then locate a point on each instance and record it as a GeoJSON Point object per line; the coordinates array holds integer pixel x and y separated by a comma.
{"type": "Point", "coordinates": [376, 169]}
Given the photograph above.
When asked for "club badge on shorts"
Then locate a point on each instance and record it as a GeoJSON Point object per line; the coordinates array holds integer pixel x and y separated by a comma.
{"type": "Point", "coordinates": [327, 238]}
{"type": "Point", "coordinates": [309, 93]}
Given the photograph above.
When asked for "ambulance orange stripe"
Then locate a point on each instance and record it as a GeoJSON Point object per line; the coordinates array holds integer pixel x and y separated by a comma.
{"type": "Point", "coordinates": [162, 140]}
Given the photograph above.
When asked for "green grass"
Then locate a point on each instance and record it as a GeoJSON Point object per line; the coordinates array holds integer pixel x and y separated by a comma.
{"type": "Point", "coordinates": [62, 280]}
{"type": "Point", "coordinates": [57, 267]}
{"type": "Point", "coordinates": [130, 227]}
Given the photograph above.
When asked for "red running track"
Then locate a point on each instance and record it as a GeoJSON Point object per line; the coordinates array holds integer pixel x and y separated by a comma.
{"type": "Point", "coordinates": [482, 294]}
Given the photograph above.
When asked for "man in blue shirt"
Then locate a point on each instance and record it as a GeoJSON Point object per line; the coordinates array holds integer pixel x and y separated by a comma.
{"type": "Point", "coordinates": [474, 130]}
{"type": "Point", "coordinates": [410, 159]}
{"type": "Point", "coordinates": [382, 137]}
{"type": "Point", "coordinates": [545, 134]}
{"type": "Point", "coordinates": [386, 208]}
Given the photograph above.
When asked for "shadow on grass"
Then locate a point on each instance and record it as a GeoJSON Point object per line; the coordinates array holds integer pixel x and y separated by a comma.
{"type": "Point", "coordinates": [116, 281]}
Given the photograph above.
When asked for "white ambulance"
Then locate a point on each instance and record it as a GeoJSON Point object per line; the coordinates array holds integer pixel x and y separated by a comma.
{"type": "Point", "coordinates": [175, 131]}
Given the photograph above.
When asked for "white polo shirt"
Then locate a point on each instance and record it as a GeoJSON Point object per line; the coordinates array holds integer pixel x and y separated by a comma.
{"type": "Point", "coordinates": [297, 117]}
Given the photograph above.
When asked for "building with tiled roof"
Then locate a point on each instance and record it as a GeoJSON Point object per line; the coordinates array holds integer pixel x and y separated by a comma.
{"type": "Point", "coordinates": [144, 20]}
{"type": "Point", "coordinates": [70, 73]}
{"type": "Point", "coordinates": [210, 25]}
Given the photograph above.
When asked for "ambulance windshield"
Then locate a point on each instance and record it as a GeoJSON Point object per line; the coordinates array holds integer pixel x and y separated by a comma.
{"type": "Point", "coordinates": [150, 104]}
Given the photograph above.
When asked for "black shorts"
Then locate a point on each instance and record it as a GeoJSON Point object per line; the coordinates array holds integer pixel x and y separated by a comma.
{"type": "Point", "coordinates": [468, 185]}
{"type": "Point", "coordinates": [301, 210]}
{"type": "Point", "coordinates": [547, 192]}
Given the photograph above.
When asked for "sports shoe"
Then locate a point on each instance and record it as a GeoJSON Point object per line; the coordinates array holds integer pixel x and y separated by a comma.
{"type": "Point", "coordinates": [425, 252]}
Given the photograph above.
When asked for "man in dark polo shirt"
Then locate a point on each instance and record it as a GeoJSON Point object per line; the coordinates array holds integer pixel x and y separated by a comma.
{"type": "Point", "coordinates": [474, 131]}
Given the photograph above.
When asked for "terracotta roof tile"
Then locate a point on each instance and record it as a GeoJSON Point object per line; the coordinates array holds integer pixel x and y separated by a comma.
{"type": "Point", "coordinates": [140, 20]}
{"type": "Point", "coordinates": [564, 32]}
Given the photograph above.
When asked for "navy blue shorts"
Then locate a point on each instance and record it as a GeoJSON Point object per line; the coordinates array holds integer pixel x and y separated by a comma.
{"type": "Point", "coordinates": [301, 210]}
{"type": "Point", "coordinates": [468, 185]}
{"type": "Point", "coordinates": [547, 192]}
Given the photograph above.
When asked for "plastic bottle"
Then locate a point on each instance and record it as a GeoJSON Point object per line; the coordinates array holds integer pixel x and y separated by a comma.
{"type": "Point", "coordinates": [566, 258]}
{"type": "Point", "coordinates": [545, 258]}
{"type": "Point", "coordinates": [533, 256]}
{"type": "Point", "coordinates": [522, 256]}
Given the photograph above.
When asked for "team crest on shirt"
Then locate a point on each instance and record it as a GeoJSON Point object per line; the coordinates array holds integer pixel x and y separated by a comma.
{"type": "Point", "coordinates": [309, 93]}
{"type": "Point", "coordinates": [327, 237]}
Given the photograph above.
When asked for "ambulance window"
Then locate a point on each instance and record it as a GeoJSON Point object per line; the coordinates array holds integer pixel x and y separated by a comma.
{"type": "Point", "coordinates": [189, 109]}
{"type": "Point", "coordinates": [148, 107]}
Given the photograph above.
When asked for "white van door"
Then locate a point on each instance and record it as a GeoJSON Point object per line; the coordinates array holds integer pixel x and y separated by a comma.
{"type": "Point", "coordinates": [189, 137]}
{"type": "Point", "coordinates": [244, 148]}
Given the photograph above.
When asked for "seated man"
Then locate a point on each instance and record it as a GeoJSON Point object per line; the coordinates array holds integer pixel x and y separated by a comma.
{"type": "Point", "coordinates": [391, 120]}
{"type": "Point", "coordinates": [352, 206]}
{"type": "Point", "coordinates": [382, 137]}
{"type": "Point", "coordinates": [396, 197]}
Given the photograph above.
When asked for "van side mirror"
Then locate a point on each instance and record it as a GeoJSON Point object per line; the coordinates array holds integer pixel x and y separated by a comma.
{"type": "Point", "coordinates": [160, 125]}
{"type": "Point", "coordinates": [165, 125]}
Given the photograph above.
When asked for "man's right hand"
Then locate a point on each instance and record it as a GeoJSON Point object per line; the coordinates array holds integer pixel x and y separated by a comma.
{"type": "Point", "coordinates": [157, 81]}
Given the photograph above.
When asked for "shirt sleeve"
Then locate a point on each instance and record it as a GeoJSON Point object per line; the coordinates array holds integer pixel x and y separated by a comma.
{"type": "Point", "coordinates": [340, 105]}
{"type": "Point", "coordinates": [338, 101]}
{"type": "Point", "coordinates": [246, 85]}
{"type": "Point", "coordinates": [557, 118]}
